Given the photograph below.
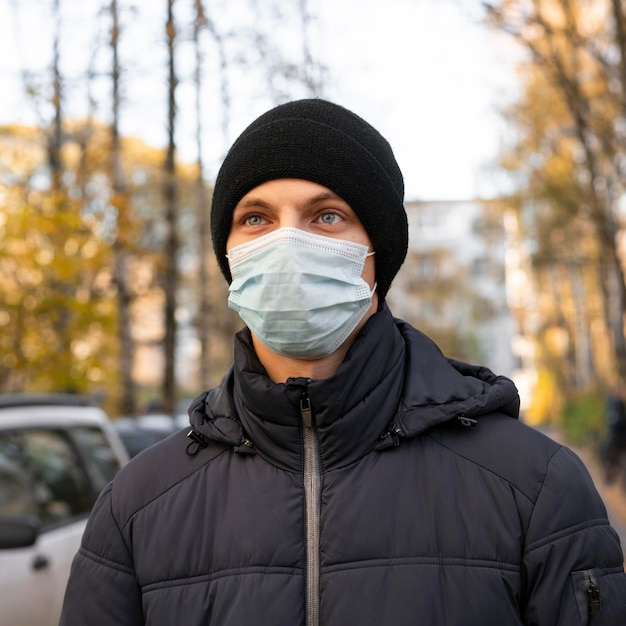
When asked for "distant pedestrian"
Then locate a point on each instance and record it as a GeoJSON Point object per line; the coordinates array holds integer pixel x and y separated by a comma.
{"type": "Point", "coordinates": [614, 453]}
{"type": "Point", "coordinates": [345, 472]}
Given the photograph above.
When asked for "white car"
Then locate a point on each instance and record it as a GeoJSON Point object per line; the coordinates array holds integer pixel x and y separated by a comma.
{"type": "Point", "coordinates": [56, 454]}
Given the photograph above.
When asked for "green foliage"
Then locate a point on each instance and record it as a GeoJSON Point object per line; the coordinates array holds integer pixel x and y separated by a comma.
{"type": "Point", "coordinates": [58, 294]}
{"type": "Point", "coordinates": [582, 418]}
{"type": "Point", "coordinates": [60, 271]}
{"type": "Point", "coordinates": [56, 301]}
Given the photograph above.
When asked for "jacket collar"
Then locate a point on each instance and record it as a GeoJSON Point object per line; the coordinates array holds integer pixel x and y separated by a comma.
{"type": "Point", "coordinates": [438, 389]}
{"type": "Point", "coordinates": [394, 383]}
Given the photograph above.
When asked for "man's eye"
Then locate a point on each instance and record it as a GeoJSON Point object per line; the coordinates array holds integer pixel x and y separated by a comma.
{"type": "Point", "coordinates": [329, 218]}
{"type": "Point", "coordinates": [254, 220]}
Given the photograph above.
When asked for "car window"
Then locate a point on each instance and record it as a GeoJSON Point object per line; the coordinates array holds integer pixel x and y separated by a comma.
{"type": "Point", "coordinates": [61, 486]}
{"type": "Point", "coordinates": [97, 454]}
{"type": "Point", "coordinates": [17, 496]}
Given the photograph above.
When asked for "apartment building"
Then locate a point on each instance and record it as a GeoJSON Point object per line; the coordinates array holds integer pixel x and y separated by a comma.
{"type": "Point", "coordinates": [453, 283]}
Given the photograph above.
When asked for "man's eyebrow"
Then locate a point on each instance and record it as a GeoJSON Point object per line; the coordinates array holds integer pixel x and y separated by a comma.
{"type": "Point", "coordinates": [253, 201]}
{"type": "Point", "coordinates": [247, 203]}
{"type": "Point", "coordinates": [320, 197]}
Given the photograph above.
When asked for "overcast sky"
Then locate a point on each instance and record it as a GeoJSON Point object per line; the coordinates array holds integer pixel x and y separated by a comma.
{"type": "Point", "coordinates": [421, 71]}
{"type": "Point", "coordinates": [431, 81]}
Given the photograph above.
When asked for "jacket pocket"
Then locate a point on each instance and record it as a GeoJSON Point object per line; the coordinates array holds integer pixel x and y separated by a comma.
{"type": "Point", "coordinates": [600, 596]}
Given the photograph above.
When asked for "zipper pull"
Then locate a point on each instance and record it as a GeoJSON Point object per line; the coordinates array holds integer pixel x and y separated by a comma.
{"type": "Point", "coordinates": [467, 421]}
{"type": "Point", "coordinates": [394, 433]}
{"type": "Point", "coordinates": [306, 411]}
{"type": "Point", "coordinates": [593, 595]}
{"type": "Point", "coordinates": [389, 439]}
{"type": "Point", "coordinates": [198, 441]}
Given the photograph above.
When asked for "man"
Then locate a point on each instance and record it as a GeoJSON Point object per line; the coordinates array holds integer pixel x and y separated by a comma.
{"type": "Point", "coordinates": [345, 473]}
{"type": "Point", "coordinates": [614, 448]}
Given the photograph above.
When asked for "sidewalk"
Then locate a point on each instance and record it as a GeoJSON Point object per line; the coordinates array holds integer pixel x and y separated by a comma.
{"type": "Point", "coordinates": [614, 495]}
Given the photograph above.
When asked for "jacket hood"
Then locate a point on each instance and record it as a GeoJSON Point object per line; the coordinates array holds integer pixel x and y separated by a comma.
{"type": "Point", "coordinates": [394, 383]}
{"type": "Point", "coordinates": [439, 389]}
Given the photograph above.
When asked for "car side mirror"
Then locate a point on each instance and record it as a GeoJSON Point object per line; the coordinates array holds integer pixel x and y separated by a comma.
{"type": "Point", "coordinates": [18, 531]}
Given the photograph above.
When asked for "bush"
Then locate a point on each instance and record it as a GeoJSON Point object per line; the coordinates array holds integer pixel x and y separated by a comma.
{"type": "Point", "coordinates": [582, 418]}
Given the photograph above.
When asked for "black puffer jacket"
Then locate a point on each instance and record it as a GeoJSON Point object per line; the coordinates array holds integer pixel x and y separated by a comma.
{"type": "Point", "coordinates": [401, 491]}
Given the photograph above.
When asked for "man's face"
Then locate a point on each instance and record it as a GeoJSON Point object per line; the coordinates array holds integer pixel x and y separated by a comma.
{"type": "Point", "coordinates": [296, 203]}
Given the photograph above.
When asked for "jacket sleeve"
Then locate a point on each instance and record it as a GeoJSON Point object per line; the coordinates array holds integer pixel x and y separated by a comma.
{"type": "Point", "coordinates": [102, 589]}
{"type": "Point", "coordinates": [573, 562]}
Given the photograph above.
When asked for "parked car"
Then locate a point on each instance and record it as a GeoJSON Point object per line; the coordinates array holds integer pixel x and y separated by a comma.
{"type": "Point", "coordinates": [139, 433]}
{"type": "Point", "coordinates": [57, 452]}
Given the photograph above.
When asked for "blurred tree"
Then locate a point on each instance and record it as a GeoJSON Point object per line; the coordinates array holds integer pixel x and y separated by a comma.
{"type": "Point", "coordinates": [120, 201]}
{"type": "Point", "coordinates": [203, 314]}
{"type": "Point", "coordinates": [56, 311]}
{"type": "Point", "coordinates": [568, 155]}
{"type": "Point", "coordinates": [84, 188]}
{"type": "Point", "coordinates": [62, 264]}
{"type": "Point", "coordinates": [170, 197]}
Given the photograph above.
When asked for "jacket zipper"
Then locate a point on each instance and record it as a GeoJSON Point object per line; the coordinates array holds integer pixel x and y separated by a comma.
{"type": "Point", "coordinates": [593, 593]}
{"type": "Point", "coordinates": [312, 490]}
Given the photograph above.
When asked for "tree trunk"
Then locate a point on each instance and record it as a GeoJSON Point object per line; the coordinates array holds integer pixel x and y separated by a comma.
{"type": "Point", "coordinates": [120, 201]}
{"type": "Point", "coordinates": [60, 288]}
{"type": "Point", "coordinates": [203, 316]}
{"type": "Point", "coordinates": [55, 138]}
{"type": "Point", "coordinates": [170, 195]}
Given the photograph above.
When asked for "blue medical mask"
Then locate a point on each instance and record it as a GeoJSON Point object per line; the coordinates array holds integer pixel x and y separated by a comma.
{"type": "Point", "coordinates": [300, 294]}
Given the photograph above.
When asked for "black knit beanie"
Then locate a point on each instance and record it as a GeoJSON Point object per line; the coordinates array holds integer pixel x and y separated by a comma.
{"type": "Point", "coordinates": [322, 142]}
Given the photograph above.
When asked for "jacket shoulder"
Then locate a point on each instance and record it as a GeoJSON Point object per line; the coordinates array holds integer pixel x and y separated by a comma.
{"type": "Point", "coordinates": [518, 453]}
{"type": "Point", "coordinates": [156, 470]}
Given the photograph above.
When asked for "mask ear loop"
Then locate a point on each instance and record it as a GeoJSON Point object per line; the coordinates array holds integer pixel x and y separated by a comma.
{"type": "Point", "coordinates": [375, 283]}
